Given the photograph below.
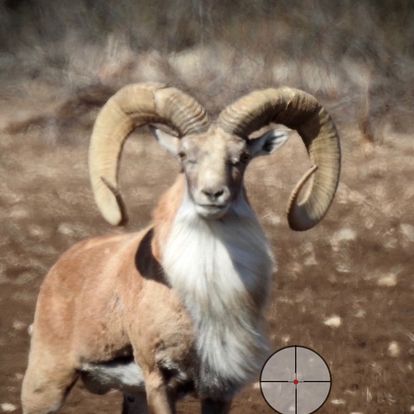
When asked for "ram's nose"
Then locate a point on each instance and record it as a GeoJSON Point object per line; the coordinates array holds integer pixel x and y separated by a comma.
{"type": "Point", "coordinates": [216, 195]}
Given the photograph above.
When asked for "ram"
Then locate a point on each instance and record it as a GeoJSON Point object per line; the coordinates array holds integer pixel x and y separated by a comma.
{"type": "Point", "coordinates": [178, 307]}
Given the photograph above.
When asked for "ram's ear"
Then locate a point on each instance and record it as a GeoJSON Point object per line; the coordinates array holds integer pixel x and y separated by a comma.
{"type": "Point", "coordinates": [268, 142]}
{"type": "Point", "coordinates": [167, 140]}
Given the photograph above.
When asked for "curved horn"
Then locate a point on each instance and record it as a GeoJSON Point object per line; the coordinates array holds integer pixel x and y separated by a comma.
{"type": "Point", "coordinates": [133, 106]}
{"type": "Point", "coordinates": [297, 110]}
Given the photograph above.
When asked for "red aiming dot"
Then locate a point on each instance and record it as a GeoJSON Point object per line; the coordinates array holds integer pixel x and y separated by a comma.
{"type": "Point", "coordinates": [295, 381]}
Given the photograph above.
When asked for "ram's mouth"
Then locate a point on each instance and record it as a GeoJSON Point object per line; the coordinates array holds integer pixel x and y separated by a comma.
{"type": "Point", "coordinates": [212, 211]}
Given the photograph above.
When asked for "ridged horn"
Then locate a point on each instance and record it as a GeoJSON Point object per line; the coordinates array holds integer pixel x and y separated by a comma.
{"type": "Point", "coordinates": [300, 111]}
{"type": "Point", "coordinates": [132, 106]}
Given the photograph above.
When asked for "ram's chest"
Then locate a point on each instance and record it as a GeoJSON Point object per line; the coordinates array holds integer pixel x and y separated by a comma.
{"type": "Point", "coordinates": [222, 273]}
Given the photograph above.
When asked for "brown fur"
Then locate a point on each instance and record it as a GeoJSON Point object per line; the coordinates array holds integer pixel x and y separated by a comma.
{"type": "Point", "coordinates": [164, 214]}
{"type": "Point", "coordinates": [100, 300]}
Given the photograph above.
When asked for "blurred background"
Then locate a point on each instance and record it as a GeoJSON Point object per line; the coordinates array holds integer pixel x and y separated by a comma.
{"type": "Point", "coordinates": [345, 288]}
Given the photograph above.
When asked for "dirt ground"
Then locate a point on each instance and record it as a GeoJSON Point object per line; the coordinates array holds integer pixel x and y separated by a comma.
{"type": "Point", "coordinates": [344, 289]}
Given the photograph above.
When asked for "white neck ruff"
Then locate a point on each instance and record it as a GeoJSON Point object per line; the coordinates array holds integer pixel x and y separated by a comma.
{"type": "Point", "coordinates": [222, 270]}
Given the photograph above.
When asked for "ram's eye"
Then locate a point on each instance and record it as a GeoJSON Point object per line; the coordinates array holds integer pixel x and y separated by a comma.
{"type": "Point", "coordinates": [242, 159]}
{"type": "Point", "coordinates": [182, 155]}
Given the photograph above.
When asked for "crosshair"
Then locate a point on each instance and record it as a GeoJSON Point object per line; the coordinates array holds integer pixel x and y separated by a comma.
{"type": "Point", "coordinates": [295, 380]}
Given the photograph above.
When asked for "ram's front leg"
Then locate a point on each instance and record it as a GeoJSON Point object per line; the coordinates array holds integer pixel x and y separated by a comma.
{"type": "Point", "coordinates": [215, 406]}
{"type": "Point", "coordinates": [158, 399]}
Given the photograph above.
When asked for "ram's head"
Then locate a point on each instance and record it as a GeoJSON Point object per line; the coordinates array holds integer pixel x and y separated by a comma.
{"type": "Point", "coordinates": [214, 155]}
